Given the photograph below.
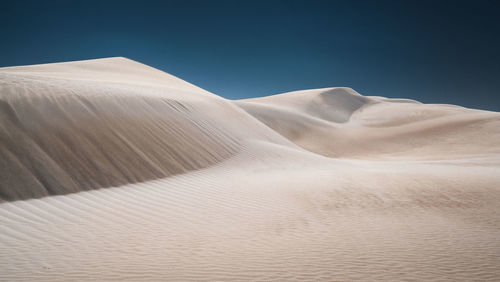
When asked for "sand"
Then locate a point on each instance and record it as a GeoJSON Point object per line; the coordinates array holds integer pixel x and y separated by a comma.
{"type": "Point", "coordinates": [113, 170]}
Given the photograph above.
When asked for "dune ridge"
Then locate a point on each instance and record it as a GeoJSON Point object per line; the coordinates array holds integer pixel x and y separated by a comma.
{"type": "Point", "coordinates": [312, 185]}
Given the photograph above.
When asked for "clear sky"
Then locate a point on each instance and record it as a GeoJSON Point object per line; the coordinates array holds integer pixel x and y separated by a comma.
{"type": "Point", "coordinates": [432, 51]}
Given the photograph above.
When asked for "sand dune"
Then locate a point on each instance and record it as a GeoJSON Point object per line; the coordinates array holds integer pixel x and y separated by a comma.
{"type": "Point", "coordinates": [315, 185]}
{"type": "Point", "coordinates": [69, 127]}
{"type": "Point", "coordinates": [338, 122]}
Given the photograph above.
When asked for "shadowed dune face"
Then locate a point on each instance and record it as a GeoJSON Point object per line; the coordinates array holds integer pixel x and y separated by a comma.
{"type": "Point", "coordinates": [329, 104]}
{"type": "Point", "coordinates": [62, 135]}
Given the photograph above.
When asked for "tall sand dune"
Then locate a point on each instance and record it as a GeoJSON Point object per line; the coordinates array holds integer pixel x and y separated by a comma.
{"type": "Point", "coordinates": [113, 170]}
{"type": "Point", "coordinates": [84, 125]}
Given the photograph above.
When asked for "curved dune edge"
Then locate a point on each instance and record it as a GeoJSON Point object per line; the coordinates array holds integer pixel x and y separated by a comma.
{"type": "Point", "coordinates": [314, 185]}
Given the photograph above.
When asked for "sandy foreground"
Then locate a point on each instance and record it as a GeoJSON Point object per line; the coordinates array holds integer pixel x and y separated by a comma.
{"type": "Point", "coordinates": [113, 170]}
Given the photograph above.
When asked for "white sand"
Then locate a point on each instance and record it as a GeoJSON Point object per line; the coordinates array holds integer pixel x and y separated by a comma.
{"type": "Point", "coordinates": [311, 185]}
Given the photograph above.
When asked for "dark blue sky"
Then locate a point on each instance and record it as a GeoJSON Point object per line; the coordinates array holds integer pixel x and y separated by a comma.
{"type": "Point", "coordinates": [432, 51]}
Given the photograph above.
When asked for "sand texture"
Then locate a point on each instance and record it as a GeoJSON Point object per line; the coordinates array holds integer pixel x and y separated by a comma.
{"type": "Point", "coordinates": [113, 170]}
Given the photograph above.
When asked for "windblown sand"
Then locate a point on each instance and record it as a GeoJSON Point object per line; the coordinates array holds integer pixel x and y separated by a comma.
{"type": "Point", "coordinates": [113, 170]}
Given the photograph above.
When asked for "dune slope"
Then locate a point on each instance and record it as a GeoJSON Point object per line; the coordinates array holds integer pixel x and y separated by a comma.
{"type": "Point", "coordinates": [314, 185]}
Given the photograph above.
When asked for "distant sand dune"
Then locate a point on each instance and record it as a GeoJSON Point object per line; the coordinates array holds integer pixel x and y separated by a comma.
{"type": "Point", "coordinates": [338, 122]}
{"type": "Point", "coordinates": [313, 185]}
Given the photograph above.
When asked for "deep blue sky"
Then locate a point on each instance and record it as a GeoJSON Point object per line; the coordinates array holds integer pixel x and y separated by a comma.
{"type": "Point", "coordinates": [432, 51]}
